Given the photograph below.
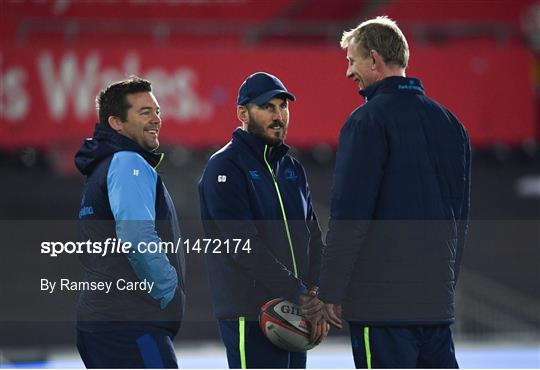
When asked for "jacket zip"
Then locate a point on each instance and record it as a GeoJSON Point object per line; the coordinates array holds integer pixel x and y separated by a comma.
{"type": "Point", "coordinates": [291, 248]}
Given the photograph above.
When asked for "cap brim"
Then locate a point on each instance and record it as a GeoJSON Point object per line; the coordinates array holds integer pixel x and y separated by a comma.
{"type": "Point", "coordinates": [261, 99]}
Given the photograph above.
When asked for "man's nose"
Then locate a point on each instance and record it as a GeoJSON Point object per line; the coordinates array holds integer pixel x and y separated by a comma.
{"type": "Point", "coordinates": [156, 117]}
{"type": "Point", "coordinates": [349, 73]}
{"type": "Point", "coordinates": [278, 115]}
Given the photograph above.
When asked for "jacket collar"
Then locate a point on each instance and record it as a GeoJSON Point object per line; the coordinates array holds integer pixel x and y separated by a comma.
{"type": "Point", "coordinates": [104, 143]}
{"type": "Point", "coordinates": [393, 84]}
{"type": "Point", "coordinates": [257, 146]}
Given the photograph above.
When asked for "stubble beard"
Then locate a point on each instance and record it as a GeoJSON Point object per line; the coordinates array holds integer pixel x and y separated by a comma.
{"type": "Point", "coordinates": [258, 130]}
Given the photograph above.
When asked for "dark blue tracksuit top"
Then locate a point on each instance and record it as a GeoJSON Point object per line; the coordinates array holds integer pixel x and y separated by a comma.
{"type": "Point", "coordinates": [399, 212]}
{"type": "Point", "coordinates": [124, 198]}
{"type": "Point", "coordinates": [240, 198]}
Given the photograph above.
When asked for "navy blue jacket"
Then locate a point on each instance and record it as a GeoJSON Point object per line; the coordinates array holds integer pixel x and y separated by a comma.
{"type": "Point", "coordinates": [239, 199]}
{"type": "Point", "coordinates": [124, 198]}
{"type": "Point", "coordinates": [400, 205]}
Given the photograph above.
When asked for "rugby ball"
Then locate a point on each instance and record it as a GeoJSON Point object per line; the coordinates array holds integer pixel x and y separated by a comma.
{"type": "Point", "coordinates": [283, 325]}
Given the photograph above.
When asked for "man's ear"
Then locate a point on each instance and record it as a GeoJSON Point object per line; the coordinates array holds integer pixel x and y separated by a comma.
{"type": "Point", "coordinates": [242, 114]}
{"type": "Point", "coordinates": [115, 123]}
{"type": "Point", "coordinates": [376, 60]}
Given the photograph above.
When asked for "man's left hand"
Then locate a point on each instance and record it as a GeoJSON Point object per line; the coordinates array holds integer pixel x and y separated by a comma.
{"type": "Point", "coordinates": [311, 307]}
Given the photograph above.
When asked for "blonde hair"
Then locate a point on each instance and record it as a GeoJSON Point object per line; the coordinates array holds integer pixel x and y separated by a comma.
{"type": "Point", "coordinates": [381, 34]}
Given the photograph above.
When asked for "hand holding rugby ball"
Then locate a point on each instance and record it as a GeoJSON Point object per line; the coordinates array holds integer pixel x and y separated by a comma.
{"type": "Point", "coordinates": [283, 325]}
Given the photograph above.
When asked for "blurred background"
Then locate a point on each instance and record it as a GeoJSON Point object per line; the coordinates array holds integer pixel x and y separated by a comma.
{"type": "Point", "coordinates": [479, 58]}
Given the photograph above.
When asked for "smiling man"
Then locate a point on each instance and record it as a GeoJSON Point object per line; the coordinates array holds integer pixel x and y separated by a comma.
{"type": "Point", "coordinates": [253, 190]}
{"type": "Point", "coordinates": [124, 198]}
{"type": "Point", "coordinates": [399, 212]}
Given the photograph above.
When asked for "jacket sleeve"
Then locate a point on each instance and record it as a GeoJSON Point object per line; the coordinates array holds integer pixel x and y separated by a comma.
{"type": "Point", "coordinates": [316, 244]}
{"type": "Point", "coordinates": [358, 173]}
{"type": "Point", "coordinates": [463, 221]}
{"type": "Point", "coordinates": [224, 196]}
{"type": "Point", "coordinates": [316, 248]}
{"type": "Point", "coordinates": [131, 185]}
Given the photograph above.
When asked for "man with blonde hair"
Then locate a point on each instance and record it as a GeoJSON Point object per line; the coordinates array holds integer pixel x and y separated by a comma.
{"type": "Point", "coordinates": [399, 213]}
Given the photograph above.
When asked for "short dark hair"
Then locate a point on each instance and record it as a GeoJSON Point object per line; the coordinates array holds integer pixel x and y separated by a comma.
{"type": "Point", "coordinates": [112, 100]}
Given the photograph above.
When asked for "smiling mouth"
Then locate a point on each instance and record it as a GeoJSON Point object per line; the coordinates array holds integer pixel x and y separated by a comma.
{"type": "Point", "coordinates": [275, 126]}
{"type": "Point", "coordinates": [153, 132]}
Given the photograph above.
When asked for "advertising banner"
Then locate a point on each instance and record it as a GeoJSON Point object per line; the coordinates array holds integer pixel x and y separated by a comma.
{"type": "Point", "coordinates": [47, 94]}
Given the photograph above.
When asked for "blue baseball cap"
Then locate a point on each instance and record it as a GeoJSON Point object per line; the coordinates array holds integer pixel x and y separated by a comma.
{"type": "Point", "coordinates": [261, 87]}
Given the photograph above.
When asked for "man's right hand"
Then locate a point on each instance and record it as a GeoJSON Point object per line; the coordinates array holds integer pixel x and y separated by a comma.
{"type": "Point", "coordinates": [333, 313]}
{"type": "Point", "coordinates": [312, 308]}
{"type": "Point", "coordinates": [319, 331]}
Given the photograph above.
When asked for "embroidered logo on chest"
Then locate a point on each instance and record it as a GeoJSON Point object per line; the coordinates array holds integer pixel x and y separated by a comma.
{"type": "Point", "coordinates": [255, 175]}
{"type": "Point", "coordinates": [290, 174]}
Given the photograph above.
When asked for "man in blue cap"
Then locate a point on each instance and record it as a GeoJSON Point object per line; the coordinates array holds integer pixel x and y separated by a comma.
{"type": "Point", "coordinates": [252, 190]}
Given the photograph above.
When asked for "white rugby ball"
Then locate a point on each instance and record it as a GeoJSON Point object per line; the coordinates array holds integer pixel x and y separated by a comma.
{"type": "Point", "coordinates": [283, 325]}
